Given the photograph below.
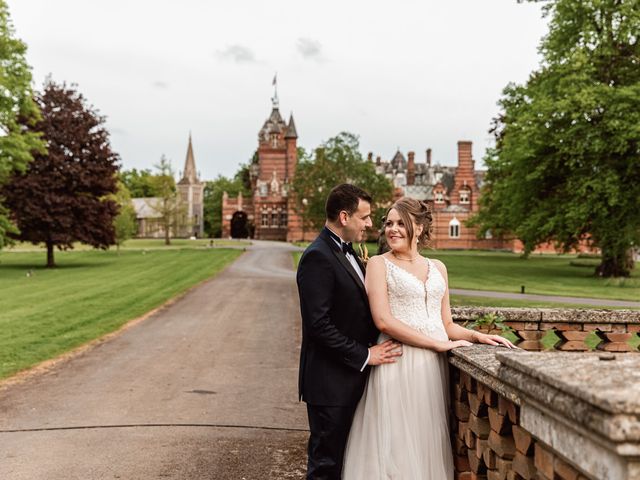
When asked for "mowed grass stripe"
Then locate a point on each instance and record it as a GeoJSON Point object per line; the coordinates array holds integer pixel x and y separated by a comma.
{"type": "Point", "coordinates": [91, 294]}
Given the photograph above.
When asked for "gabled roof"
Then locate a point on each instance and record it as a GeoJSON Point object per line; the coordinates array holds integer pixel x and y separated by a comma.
{"type": "Point", "coordinates": [398, 162]}
{"type": "Point", "coordinates": [146, 207]}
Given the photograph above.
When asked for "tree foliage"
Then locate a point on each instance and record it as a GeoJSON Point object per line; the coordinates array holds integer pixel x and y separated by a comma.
{"type": "Point", "coordinates": [336, 161]}
{"type": "Point", "coordinates": [62, 197]}
{"type": "Point", "coordinates": [17, 109]}
{"type": "Point", "coordinates": [566, 164]}
{"type": "Point", "coordinates": [167, 205]}
{"type": "Point", "coordinates": [124, 224]}
{"type": "Point", "coordinates": [140, 184]}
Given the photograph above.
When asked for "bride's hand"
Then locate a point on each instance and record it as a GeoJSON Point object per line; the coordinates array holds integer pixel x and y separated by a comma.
{"type": "Point", "coordinates": [496, 340]}
{"type": "Point", "coordinates": [450, 345]}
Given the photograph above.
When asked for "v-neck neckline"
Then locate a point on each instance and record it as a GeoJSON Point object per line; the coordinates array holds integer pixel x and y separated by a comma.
{"type": "Point", "coordinates": [411, 274]}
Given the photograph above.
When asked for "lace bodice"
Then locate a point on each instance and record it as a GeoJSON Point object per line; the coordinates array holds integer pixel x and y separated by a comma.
{"type": "Point", "coordinates": [415, 303]}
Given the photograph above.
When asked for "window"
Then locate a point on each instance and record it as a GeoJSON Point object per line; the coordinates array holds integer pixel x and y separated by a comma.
{"type": "Point", "coordinates": [265, 219]}
{"type": "Point", "coordinates": [439, 197]}
{"type": "Point", "coordinates": [274, 219]}
{"type": "Point", "coordinates": [454, 228]}
{"type": "Point", "coordinates": [488, 235]}
{"type": "Point", "coordinates": [283, 219]}
{"type": "Point", "coordinates": [465, 196]}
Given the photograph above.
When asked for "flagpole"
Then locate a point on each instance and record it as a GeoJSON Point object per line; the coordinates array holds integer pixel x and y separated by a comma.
{"type": "Point", "coordinates": [275, 95]}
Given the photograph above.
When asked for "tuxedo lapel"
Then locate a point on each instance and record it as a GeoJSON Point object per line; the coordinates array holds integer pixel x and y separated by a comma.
{"type": "Point", "coordinates": [342, 259]}
{"type": "Point", "coordinates": [348, 267]}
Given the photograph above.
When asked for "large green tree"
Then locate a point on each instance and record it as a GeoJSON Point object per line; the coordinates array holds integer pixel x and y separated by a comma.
{"type": "Point", "coordinates": [566, 164]}
{"type": "Point", "coordinates": [64, 195]}
{"type": "Point", "coordinates": [336, 161]}
{"type": "Point", "coordinates": [17, 110]}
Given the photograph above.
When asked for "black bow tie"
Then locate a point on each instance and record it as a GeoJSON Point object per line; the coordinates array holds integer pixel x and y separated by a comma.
{"type": "Point", "coordinates": [348, 248]}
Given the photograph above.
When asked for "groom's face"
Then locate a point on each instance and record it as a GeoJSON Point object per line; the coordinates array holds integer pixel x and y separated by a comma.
{"type": "Point", "coordinates": [355, 225]}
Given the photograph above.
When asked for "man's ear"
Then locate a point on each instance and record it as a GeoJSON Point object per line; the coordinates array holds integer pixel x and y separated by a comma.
{"type": "Point", "coordinates": [343, 216]}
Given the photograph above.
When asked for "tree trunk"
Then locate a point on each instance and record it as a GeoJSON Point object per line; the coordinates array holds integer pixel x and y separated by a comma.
{"type": "Point", "coordinates": [615, 263]}
{"type": "Point", "coordinates": [167, 237]}
{"type": "Point", "coordinates": [50, 260]}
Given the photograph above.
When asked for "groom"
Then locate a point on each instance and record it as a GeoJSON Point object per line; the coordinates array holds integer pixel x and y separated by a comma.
{"type": "Point", "coordinates": [338, 333]}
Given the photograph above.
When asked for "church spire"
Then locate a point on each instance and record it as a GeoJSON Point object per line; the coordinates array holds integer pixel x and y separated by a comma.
{"type": "Point", "coordinates": [190, 175]}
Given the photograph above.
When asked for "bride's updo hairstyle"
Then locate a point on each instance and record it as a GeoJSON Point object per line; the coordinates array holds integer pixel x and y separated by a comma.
{"type": "Point", "coordinates": [410, 211]}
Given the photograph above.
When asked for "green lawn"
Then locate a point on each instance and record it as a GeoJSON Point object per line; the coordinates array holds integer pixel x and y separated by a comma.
{"type": "Point", "coordinates": [143, 243]}
{"type": "Point", "coordinates": [540, 274]}
{"type": "Point", "coordinates": [91, 293]}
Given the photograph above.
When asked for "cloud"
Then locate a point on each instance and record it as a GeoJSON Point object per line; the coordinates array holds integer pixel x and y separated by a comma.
{"type": "Point", "coordinates": [160, 84]}
{"type": "Point", "coordinates": [237, 54]}
{"type": "Point", "coordinates": [310, 49]}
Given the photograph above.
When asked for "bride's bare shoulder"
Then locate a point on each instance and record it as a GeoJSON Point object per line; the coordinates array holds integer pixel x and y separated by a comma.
{"type": "Point", "coordinates": [439, 265]}
{"type": "Point", "coordinates": [377, 265]}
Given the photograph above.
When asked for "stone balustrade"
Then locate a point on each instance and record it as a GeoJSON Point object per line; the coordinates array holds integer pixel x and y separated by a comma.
{"type": "Point", "coordinates": [564, 329]}
{"type": "Point", "coordinates": [550, 415]}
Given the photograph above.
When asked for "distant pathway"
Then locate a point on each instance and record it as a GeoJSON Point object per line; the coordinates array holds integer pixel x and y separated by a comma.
{"type": "Point", "coordinates": [203, 389]}
{"type": "Point", "coordinates": [601, 302]}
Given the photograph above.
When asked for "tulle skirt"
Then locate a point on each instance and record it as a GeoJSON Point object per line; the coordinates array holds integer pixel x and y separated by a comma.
{"type": "Point", "coordinates": [400, 429]}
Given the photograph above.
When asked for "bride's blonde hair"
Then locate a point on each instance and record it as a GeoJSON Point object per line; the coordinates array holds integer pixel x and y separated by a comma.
{"type": "Point", "coordinates": [414, 211]}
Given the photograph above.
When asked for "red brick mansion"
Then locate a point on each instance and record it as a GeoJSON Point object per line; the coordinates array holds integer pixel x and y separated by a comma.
{"type": "Point", "coordinates": [270, 214]}
{"type": "Point", "coordinates": [453, 193]}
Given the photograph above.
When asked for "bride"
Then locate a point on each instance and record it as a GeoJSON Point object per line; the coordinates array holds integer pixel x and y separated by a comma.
{"type": "Point", "coordinates": [400, 428]}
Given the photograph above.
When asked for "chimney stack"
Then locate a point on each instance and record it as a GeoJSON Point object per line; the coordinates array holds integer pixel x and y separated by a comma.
{"type": "Point", "coordinates": [411, 169]}
{"type": "Point", "coordinates": [465, 160]}
{"type": "Point", "coordinates": [428, 157]}
{"type": "Point", "coordinates": [370, 157]}
{"type": "Point", "coordinates": [378, 160]}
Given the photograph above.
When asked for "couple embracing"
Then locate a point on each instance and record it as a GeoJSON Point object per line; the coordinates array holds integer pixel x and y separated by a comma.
{"type": "Point", "coordinates": [372, 371]}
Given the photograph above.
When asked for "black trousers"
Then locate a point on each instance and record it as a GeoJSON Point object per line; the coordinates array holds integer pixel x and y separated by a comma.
{"type": "Point", "coordinates": [329, 432]}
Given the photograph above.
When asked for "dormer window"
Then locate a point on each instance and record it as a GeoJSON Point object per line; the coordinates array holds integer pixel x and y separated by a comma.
{"type": "Point", "coordinates": [439, 197]}
{"type": "Point", "coordinates": [274, 140]}
{"type": "Point", "coordinates": [465, 196]}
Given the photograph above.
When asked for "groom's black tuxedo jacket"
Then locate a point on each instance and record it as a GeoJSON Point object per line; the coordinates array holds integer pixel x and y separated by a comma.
{"type": "Point", "coordinates": [337, 327]}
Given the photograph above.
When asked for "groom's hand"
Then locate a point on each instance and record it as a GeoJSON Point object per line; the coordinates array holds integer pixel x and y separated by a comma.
{"type": "Point", "coordinates": [385, 352]}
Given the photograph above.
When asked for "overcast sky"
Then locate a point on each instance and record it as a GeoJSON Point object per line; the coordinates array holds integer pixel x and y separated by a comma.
{"type": "Point", "coordinates": [407, 74]}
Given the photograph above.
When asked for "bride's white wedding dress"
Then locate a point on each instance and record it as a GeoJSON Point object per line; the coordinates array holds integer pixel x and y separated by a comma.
{"type": "Point", "coordinates": [400, 428]}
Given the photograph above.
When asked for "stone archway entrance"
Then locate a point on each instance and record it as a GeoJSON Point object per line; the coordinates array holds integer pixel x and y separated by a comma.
{"type": "Point", "coordinates": [239, 225]}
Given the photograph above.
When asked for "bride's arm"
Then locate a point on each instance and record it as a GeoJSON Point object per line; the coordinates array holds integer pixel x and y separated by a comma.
{"type": "Point", "coordinates": [458, 332]}
{"type": "Point", "coordinates": [376, 285]}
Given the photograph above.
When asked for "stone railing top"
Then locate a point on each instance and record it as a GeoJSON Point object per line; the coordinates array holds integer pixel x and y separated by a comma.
{"type": "Point", "coordinates": [609, 382]}
{"type": "Point", "coordinates": [568, 315]}
{"type": "Point", "coordinates": [598, 390]}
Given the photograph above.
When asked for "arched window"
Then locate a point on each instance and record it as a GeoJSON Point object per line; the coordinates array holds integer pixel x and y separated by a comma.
{"type": "Point", "coordinates": [465, 196]}
{"type": "Point", "coordinates": [439, 197]}
{"type": "Point", "coordinates": [454, 228]}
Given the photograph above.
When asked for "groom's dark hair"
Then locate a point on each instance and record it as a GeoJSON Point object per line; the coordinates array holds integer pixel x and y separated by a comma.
{"type": "Point", "coordinates": [344, 197]}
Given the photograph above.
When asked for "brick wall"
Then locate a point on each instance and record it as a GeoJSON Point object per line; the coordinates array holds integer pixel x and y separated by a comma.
{"type": "Point", "coordinates": [564, 413]}
{"type": "Point", "coordinates": [489, 443]}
